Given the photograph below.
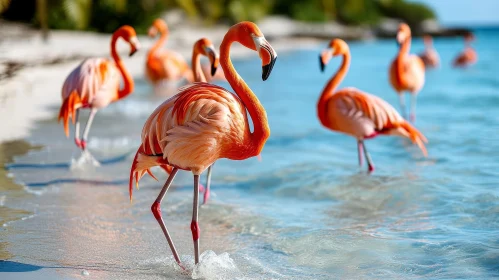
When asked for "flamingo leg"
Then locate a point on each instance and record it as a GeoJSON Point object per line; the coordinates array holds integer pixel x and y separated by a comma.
{"type": "Point", "coordinates": [77, 129]}
{"type": "Point", "coordinates": [194, 224]}
{"type": "Point", "coordinates": [206, 195]}
{"type": "Point", "coordinates": [156, 211]}
{"type": "Point", "coordinates": [370, 165]}
{"type": "Point", "coordinates": [360, 152]}
{"type": "Point", "coordinates": [87, 129]}
{"type": "Point", "coordinates": [402, 105]}
{"type": "Point", "coordinates": [413, 108]}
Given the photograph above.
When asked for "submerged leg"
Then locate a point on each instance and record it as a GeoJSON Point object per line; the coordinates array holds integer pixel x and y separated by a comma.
{"type": "Point", "coordinates": [77, 128]}
{"type": "Point", "coordinates": [402, 105]}
{"type": "Point", "coordinates": [413, 108]}
{"type": "Point", "coordinates": [359, 151]}
{"type": "Point", "coordinates": [370, 165]}
{"type": "Point", "coordinates": [194, 224]}
{"type": "Point", "coordinates": [87, 129]}
{"type": "Point", "coordinates": [206, 195]}
{"type": "Point", "coordinates": [156, 211]}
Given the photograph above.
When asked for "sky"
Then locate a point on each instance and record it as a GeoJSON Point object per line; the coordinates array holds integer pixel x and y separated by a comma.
{"type": "Point", "coordinates": [465, 12]}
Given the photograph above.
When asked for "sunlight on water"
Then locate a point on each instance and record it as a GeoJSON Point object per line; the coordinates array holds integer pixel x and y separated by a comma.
{"type": "Point", "coordinates": [306, 210]}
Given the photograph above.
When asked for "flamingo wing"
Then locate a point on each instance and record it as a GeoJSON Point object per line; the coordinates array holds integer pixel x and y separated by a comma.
{"type": "Point", "coordinates": [91, 79]}
{"type": "Point", "coordinates": [166, 65]}
{"type": "Point", "coordinates": [190, 128]}
{"type": "Point", "coordinates": [364, 115]}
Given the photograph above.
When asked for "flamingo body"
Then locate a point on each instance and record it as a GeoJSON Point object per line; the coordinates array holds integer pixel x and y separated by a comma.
{"type": "Point", "coordinates": [96, 80]}
{"type": "Point", "coordinates": [359, 114]}
{"type": "Point", "coordinates": [164, 65]}
{"type": "Point", "coordinates": [95, 83]}
{"type": "Point", "coordinates": [413, 70]}
{"type": "Point", "coordinates": [467, 58]}
{"type": "Point", "coordinates": [195, 127]}
{"type": "Point", "coordinates": [363, 116]}
{"type": "Point", "coordinates": [429, 56]}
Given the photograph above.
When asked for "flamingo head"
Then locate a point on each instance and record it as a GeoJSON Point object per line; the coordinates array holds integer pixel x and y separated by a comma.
{"type": "Point", "coordinates": [158, 25]}
{"type": "Point", "coordinates": [249, 35]}
{"type": "Point", "coordinates": [206, 48]}
{"type": "Point", "coordinates": [403, 33]}
{"type": "Point", "coordinates": [336, 47]}
{"type": "Point", "coordinates": [128, 34]}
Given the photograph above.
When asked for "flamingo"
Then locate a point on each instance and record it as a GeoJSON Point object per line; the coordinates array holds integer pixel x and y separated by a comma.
{"type": "Point", "coordinates": [468, 56]}
{"type": "Point", "coordinates": [165, 65]}
{"type": "Point", "coordinates": [94, 84]}
{"type": "Point", "coordinates": [204, 122]}
{"type": "Point", "coordinates": [356, 113]}
{"type": "Point", "coordinates": [407, 72]}
{"type": "Point", "coordinates": [429, 55]}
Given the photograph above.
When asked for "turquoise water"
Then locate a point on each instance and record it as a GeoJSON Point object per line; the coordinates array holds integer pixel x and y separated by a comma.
{"type": "Point", "coordinates": [306, 211]}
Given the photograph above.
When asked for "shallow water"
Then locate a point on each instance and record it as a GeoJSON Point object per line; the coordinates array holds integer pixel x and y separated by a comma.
{"type": "Point", "coordinates": [306, 211]}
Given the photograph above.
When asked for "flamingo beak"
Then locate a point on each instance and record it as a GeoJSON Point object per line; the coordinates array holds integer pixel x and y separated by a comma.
{"type": "Point", "coordinates": [212, 55]}
{"type": "Point", "coordinates": [135, 45]}
{"type": "Point", "coordinates": [322, 64]}
{"type": "Point", "coordinates": [267, 69]}
{"type": "Point", "coordinates": [266, 53]}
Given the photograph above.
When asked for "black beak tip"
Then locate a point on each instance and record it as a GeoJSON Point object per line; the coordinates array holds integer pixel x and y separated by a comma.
{"type": "Point", "coordinates": [213, 70]}
{"type": "Point", "coordinates": [322, 65]}
{"type": "Point", "coordinates": [267, 69]}
{"type": "Point", "coordinates": [132, 52]}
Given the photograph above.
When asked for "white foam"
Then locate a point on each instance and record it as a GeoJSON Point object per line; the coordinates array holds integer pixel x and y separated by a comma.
{"type": "Point", "coordinates": [84, 162]}
{"type": "Point", "coordinates": [213, 266]}
{"type": "Point", "coordinates": [210, 266]}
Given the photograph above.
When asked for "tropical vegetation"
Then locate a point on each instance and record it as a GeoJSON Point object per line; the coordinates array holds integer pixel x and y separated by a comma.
{"type": "Point", "coordinates": [107, 15]}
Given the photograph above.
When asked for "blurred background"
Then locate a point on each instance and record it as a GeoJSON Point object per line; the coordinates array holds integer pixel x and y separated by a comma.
{"type": "Point", "coordinates": [107, 15]}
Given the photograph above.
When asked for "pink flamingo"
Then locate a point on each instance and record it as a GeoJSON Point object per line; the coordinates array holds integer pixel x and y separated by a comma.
{"type": "Point", "coordinates": [356, 113]}
{"type": "Point", "coordinates": [94, 84]}
{"type": "Point", "coordinates": [407, 72]}
{"type": "Point", "coordinates": [429, 55]}
{"type": "Point", "coordinates": [468, 56]}
{"type": "Point", "coordinates": [165, 65]}
{"type": "Point", "coordinates": [203, 123]}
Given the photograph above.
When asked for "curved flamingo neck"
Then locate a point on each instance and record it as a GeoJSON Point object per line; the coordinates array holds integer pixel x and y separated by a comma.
{"type": "Point", "coordinates": [261, 130]}
{"type": "Point", "coordinates": [196, 67]}
{"type": "Point", "coordinates": [128, 84]}
{"type": "Point", "coordinates": [161, 41]}
{"type": "Point", "coordinates": [401, 58]}
{"type": "Point", "coordinates": [330, 88]}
